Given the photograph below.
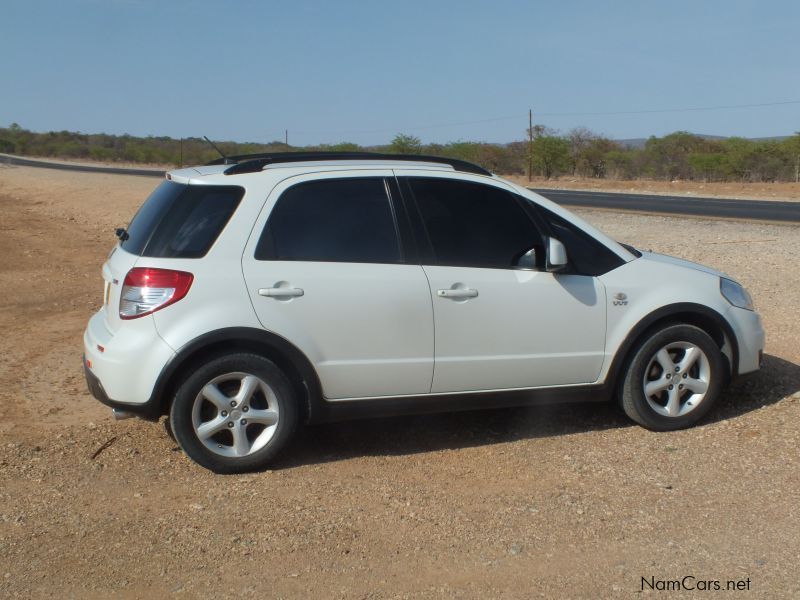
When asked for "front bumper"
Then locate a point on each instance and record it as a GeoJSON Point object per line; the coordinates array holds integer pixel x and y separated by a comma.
{"type": "Point", "coordinates": [750, 338]}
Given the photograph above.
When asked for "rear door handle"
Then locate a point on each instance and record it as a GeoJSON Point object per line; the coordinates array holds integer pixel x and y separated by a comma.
{"type": "Point", "coordinates": [281, 292]}
{"type": "Point", "coordinates": [458, 293]}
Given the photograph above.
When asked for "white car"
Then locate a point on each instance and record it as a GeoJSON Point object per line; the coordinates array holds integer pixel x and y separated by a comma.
{"type": "Point", "coordinates": [245, 299]}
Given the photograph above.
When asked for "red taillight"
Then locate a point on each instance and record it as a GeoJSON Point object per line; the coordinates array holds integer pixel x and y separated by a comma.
{"type": "Point", "coordinates": [146, 290]}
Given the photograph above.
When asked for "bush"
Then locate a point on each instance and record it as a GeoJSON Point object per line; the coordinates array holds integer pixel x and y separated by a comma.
{"type": "Point", "coordinates": [680, 155]}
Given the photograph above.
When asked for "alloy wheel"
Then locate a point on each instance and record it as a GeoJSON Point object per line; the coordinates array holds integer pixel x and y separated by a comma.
{"type": "Point", "coordinates": [676, 379]}
{"type": "Point", "coordinates": [235, 414]}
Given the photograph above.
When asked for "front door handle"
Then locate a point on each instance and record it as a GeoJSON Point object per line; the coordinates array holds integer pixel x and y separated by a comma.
{"type": "Point", "coordinates": [457, 293]}
{"type": "Point", "coordinates": [281, 292]}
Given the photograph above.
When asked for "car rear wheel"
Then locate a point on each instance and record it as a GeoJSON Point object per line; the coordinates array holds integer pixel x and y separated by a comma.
{"type": "Point", "coordinates": [674, 378]}
{"type": "Point", "coordinates": [234, 414]}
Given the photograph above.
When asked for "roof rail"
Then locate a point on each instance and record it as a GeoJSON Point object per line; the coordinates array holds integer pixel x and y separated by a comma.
{"type": "Point", "coordinates": [252, 163]}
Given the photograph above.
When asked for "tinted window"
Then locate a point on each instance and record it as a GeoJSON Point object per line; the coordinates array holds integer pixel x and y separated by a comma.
{"type": "Point", "coordinates": [586, 255]}
{"type": "Point", "coordinates": [471, 224]}
{"type": "Point", "coordinates": [341, 220]}
{"type": "Point", "coordinates": [147, 218]}
{"type": "Point", "coordinates": [181, 221]}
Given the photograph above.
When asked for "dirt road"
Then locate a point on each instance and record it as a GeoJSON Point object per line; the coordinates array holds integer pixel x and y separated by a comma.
{"type": "Point", "coordinates": [567, 501]}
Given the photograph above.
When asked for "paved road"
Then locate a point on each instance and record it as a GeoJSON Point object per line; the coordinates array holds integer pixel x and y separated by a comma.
{"type": "Point", "coordinates": [29, 162]}
{"type": "Point", "coordinates": [763, 210]}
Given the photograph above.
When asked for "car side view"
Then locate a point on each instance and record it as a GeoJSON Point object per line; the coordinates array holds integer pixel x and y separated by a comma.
{"type": "Point", "coordinates": [254, 295]}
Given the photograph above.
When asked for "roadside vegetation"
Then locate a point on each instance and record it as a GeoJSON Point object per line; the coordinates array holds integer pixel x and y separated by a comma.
{"type": "Point", "coordinates": [579, 152]}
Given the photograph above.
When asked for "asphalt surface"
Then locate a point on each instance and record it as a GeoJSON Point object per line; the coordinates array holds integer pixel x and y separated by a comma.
{"type": "Point", "coordinates": [29, 162]}
{"type": "Point", "coordinates": [759, 210]}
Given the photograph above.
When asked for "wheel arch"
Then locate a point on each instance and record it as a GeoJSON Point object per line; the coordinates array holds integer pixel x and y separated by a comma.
{"type": "Point", "coordinates": [703, 317]}
{"type": "Point", "coordinates": [283, 353]}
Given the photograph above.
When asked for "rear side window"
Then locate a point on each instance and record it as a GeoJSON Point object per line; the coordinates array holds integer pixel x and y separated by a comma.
{"type": "Point", "coordinates": [475, 225]}
{"type": "Point", "coordinates": [181, 221]}
{"type": "Point", "coordinates": [339, 220]}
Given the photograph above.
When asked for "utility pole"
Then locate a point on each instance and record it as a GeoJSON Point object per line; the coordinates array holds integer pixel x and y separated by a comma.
{"type": "Point", "coordinates": [286, 138]}
{"type": "Point", "coordinates": [181, 153]}
{"type": "Point", "coordinates": [530, 144]}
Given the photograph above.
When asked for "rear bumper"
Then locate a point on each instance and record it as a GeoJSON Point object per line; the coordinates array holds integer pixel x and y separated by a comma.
{"type": "Point", "coordinates": [123, 366]}
{"type": "Point", "coordinates": [148, 410]}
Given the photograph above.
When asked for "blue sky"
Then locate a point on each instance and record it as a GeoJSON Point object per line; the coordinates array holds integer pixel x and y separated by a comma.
{"type": "Point", "coordinates": [363, 71]}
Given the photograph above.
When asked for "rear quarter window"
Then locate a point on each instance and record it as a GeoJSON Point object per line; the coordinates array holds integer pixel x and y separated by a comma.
{"type": "Point", "coordinates": [181, 221]}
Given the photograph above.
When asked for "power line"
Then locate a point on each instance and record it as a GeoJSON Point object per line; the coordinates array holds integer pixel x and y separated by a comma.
{"type": "Point", "coordinates": [667, 110]}
{"type": "Point", "coordinates": [552, 114]}
{"type": "Point", "coordinates": [417, 128]}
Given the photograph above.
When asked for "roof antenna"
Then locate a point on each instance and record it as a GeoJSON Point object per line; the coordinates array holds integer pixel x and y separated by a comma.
{"type": "Point", "coordinates": [226, 160]}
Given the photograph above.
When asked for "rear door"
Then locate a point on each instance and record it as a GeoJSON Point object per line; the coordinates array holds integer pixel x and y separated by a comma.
{"type": "Point", "coordinates": [326, 270]}
{"type": "Point", "coordinates": [501, 321]}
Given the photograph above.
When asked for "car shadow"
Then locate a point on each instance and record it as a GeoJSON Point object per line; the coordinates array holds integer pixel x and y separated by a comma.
{"type": "Point", "coordinates": [777, 379]}
{"type": "Point", "coordinates": [398, 436]}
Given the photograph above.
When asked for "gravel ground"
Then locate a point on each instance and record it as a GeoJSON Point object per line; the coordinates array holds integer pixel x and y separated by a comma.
{"type": "Point", "coordinates": [569, 501]}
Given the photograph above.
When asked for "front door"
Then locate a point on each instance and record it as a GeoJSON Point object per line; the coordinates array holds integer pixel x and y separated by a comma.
{"type": "Point", "coordinates": [501, 321]}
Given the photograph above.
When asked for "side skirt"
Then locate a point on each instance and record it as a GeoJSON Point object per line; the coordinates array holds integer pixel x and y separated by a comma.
{"type": "Point", "coordinates": [345, 410]}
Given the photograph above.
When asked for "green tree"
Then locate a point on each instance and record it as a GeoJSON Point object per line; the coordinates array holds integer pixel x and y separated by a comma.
{"type": "Point", "coordinates": [709, 166]}
{"type": "Point", "coordinates": [668, 156]}
{"type": "Point", "coordinates": [737, 151]}
{"type": "Point", "coordinates": [619, 164]}
{"type": "Point", "coordinates": [551, 155]}
{"type": "Point", "coordinates": [405, 144]}
{"type": "Point", "coordinates": [588, 152]}
{"type": "Point", "coordinates": [579, 140]}
{"type": "Point", "coordinates": [791, 147]}
{"type": "Point", "coordinates": [345, 147]}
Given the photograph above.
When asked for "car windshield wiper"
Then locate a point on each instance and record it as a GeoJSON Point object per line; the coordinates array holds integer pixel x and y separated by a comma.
{"type": "Point", "coordinates": [631, 249]}
{"type": "Point", "coordinates": [121, 233]}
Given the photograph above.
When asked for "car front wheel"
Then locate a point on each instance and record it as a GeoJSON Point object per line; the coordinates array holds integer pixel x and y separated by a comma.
{"type": "Point", "coordinates": [674, 378]}
{"type": "Point", "coordinates": [234, 414]}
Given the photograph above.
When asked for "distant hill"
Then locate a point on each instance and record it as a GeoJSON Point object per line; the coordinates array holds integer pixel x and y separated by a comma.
{"type": "Point", "coordinates": [640, 142]}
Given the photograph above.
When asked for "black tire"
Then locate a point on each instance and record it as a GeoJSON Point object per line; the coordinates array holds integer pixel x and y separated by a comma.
{"type": "Point", "coordinates": [168, 429]}
{"type": "Point", "coordinates": [635, 402]}
{"type": "Point", "coordinates": [282, 402]}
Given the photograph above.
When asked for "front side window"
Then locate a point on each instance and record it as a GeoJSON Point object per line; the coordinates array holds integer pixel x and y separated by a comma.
{"type": "Point", "coordinates": [475, 225]}
{"type": "Point", "coordinates": [586, 255]}
{"type": "Point", "coordinates": [332, 220]}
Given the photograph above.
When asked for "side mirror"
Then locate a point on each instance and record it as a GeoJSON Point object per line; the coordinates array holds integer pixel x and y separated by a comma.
{"type": "Point", "coordinates": [556, 255]}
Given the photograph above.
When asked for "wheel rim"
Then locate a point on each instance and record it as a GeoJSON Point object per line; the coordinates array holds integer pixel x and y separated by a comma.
{"type": "Point", "coordinates": [676, 379]}
{"type": "Point", "coordinates": [235, 414]}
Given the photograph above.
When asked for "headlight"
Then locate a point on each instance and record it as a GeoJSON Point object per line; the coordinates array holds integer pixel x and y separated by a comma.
{"type": "Point", "coordinates": [735, 294]}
